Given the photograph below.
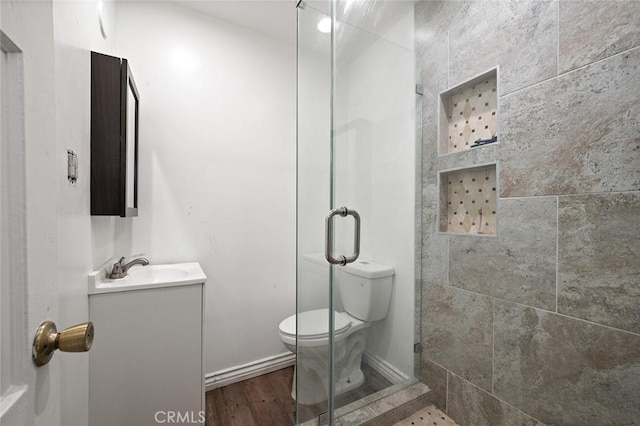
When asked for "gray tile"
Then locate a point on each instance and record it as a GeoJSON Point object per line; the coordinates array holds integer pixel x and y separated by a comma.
{"type": "Point", "coordinates": [470, 405]}
{"type": "Point", "coordinates": [435, 247]}
{"type": "Point", "coordinates": [418, 150]}
{"type": "Point", "coordinates": [519, 36]}
{"type": "Point", "coordinates": [520, 263]}
{"type": "Point", "coordinates": [429, 177]}
{"type": "Point", "coordinates": [386, 410]}
{"type": "Point", "coordinates": [578, 133]}
{"type": "Point", "coordinates": [599, 259]}
{"type": "Point", "coordinates": [433, 60]}
{"type": "Point", "coordinates": [356, 417]}
{"type": "Point", "coordinates": [457, 332]}
{"type": "Point", "coordinates": [401, 404]}
{"type": "Point", "coordinates": [564, 371]}
{"type": "Point", "coordinates": [594, 30]}
{"type": "Point", "coordinates": [435, 377]}
{"type": "Point", "coordinates": [434, 18]}
{"type": "Point", "coordinates": [417, 241]}
{"type": "Point", "coordinates": [417, 310]}
{"type": "Point", "coordinates": [469, 158]}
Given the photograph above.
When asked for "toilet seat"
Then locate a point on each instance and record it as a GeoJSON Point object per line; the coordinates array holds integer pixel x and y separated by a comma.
{"type": "Point", "coordinates": [314, 328]}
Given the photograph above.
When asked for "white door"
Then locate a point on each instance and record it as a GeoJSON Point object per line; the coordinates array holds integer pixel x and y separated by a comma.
{"type": "Point", "coordinates": [29, 396]}
{"type": "Point", "coordinates": [16, 391]}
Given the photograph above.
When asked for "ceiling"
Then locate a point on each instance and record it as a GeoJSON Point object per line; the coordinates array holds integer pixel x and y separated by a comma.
{"type": "Point", "coordinates": [275, 18]}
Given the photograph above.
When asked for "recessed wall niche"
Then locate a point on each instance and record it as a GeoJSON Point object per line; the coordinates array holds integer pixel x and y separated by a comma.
{"type": "Point", "coordinates": [469, 113]}
{"type": "Point", "coordinates": [468, 201]}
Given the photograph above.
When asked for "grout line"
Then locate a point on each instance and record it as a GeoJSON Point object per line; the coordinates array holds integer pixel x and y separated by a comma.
{"type": "Point", "coordinates": [494, 396]}
{"type": "Point", "coordinates": [493, 345]}
{"type": "Point", "coordinates": [448, 58]}
{"type": "Point", "coordinates": [568, 72]}
{"type": "Point", "coordinates": [436, 364]}
{"type": "Point", "coordinates": [582, 194]}
{"type": "Point", "coordinates": [446, 395]}
{"type": "Point", "coordinates": [531, 86]}
{"type": "Point", "coordinates": [446, 371]}
{"type": "Point", "coordinates": [557, 248]}
{"type": "Point", "coordinates": [448, 260]}
{"type": "Point", "coordinates": [446, 410]}
{"type": "Point", "coordinates": [558, 41]}
{"type": "Point", "coordinates": [527, 198]}
{"type": "Point", "coordinates": [533, 307]}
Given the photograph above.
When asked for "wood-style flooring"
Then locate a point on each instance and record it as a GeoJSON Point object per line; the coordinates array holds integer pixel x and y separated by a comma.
{"type": "Point", "coordinates": [262, 401]}
{"type": "Point", "coordinates": [266, 400]}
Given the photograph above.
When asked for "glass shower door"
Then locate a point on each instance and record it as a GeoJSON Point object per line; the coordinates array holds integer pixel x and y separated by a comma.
{"type": "Point", "coordinates": [355, 150]}
{"type": "Point", "coordinates": [312, 383]}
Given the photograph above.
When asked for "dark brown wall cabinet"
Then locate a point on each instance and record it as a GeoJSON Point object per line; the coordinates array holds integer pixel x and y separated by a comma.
{"type": "Point", "coordinates": [115, 105]}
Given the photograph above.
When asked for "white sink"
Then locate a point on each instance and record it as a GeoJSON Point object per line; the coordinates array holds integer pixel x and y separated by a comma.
{"type": "Point", "coordinates": [144, 277]}
{"type": "Point", "coordinates": [157, 274]}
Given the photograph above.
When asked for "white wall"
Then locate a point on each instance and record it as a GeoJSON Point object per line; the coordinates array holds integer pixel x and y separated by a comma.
{"type": "Point", "coordinates": [390, 68]}
{"type": "Point", "coordinates": [217, 181]}
{"type": "Point", "coordinates": [375, 168]}
{"type": "Point", "coordinates": [219, 186]}
{"type": "Point", "coordinates": [63, 241]}
{"type": "Point", "coordinates": [217, 168]}
{"type": "Point", "coordinates": [83, 242]}
{"type": "Point", "coordinates": [374, 163]}
{"type": "Point", "coordinates": [313, 151]}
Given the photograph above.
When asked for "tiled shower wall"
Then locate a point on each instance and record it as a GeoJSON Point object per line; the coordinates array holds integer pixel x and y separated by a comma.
{"type": "Point", "coordinates": [540, 323]}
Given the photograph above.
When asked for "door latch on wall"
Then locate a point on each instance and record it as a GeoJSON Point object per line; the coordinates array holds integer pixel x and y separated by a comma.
{"type": "Point", "coordinates": [72, 166]}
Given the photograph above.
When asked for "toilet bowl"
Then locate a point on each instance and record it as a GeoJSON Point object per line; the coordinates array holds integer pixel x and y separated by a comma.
{"type": "Point", "coordinates": [365, 290]}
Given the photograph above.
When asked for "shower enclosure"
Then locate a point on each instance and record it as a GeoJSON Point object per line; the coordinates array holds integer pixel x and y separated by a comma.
{"type": "Point", "coordinates": [356, 109]}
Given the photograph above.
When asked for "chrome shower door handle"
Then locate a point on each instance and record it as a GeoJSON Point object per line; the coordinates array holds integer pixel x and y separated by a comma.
{"type": "Point", "coordinates": [328, 233]}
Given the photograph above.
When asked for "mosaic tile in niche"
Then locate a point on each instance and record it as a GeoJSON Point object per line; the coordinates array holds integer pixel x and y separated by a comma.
{"type": "Point", "coordinates": [469, 113]}
{"type": "Point", "coordinates": [469, 201]}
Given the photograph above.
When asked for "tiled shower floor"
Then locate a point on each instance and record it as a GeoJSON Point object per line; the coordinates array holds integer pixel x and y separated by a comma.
{"type": "Point", "coordinates": [266, 401]}
{"type": "Point", "coordinates": [428, 416]}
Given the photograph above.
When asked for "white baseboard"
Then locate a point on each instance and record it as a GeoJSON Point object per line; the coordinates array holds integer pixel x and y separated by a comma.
{"type": "Point", "coordinates": [239, 373]}
{"type": "Point", "coordinates": [384, 368]}
{"type": "Point", "coordinates": [262, 366]}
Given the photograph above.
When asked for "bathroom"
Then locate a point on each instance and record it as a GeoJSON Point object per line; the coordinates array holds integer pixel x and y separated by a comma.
{"type": "Point", "coordinates": [533, 318]}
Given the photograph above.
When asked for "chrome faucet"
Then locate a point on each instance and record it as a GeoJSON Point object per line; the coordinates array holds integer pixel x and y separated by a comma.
{"type": "Point", "coordinates": [120, 268]}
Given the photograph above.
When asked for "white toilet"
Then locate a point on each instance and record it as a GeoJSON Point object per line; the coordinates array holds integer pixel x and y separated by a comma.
{"type": "Point", "coordinates": [365, 292]}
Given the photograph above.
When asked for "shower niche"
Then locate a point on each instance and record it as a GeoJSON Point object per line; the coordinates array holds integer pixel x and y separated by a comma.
{"type": "Point", "coordinates": [468, 201]}
{"type": "Point", "coordinates": [468, 114]}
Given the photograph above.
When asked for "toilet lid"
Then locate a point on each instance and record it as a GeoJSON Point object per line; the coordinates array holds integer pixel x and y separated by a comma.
{"type": "Point", "coordinates": [314, 323]}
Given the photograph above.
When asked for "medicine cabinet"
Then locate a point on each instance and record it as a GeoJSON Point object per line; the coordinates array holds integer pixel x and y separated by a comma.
{"type": "Point", "coordinates": [115, 109]}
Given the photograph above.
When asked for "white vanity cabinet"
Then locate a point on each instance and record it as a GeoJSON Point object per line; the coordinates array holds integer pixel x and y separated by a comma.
{"type": "Point", "coordinates": [146, 363]}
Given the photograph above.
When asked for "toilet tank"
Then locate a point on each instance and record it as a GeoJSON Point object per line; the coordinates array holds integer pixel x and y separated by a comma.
{"type": "Point", "coordinates": [365, 289]}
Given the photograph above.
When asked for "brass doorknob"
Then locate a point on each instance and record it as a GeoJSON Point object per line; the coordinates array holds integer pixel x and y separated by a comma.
{"type": "Point", "coordinates": [78, 338]}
